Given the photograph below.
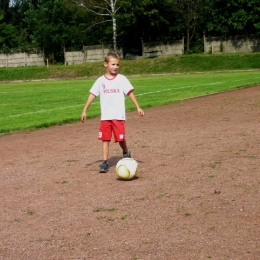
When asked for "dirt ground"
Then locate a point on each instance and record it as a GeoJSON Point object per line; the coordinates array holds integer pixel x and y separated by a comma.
{"type": "Point", "coordinates": [197, 195]}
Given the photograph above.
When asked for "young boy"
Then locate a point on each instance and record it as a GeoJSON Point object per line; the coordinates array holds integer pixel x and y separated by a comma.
{"type": "Point", "coordinates": [112, 88]}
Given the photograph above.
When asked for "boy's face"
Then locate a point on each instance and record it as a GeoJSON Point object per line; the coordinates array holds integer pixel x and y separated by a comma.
{"type": "Point", "coordinates": [112, 66]}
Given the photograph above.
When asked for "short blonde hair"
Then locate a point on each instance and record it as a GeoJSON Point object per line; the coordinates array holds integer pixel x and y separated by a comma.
{"type": "Point", "coordinates": [111, 55]}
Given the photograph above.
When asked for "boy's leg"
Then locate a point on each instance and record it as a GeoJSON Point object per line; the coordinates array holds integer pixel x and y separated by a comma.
{"type": "Point", "coordinates": [123, 145]}
{"type": "Point", "coordinates": [105, 150]}
{"type": "Point", "coordinates": [126, 152]}
{"type": "Point", "coordinates": [119, 136]}
{"type": "Point", "coordinates": [105, 132]}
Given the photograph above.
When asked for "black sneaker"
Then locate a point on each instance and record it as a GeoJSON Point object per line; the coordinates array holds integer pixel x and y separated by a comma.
{"type": "Point", "coordinates": [127, 154]}
{"type": "Point", "coordinates": [103, 167]}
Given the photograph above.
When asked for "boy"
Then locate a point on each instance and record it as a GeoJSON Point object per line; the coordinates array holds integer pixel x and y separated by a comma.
{"type": "Point", "coordinates": [112, 88]}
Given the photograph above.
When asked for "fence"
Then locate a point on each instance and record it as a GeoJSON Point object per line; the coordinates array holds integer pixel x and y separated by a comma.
{"type": "Point", "coordinates": [232, 44]}
{"type": "Point", "coordinates": [74, 57]}
{"type": "Point", "coordinates": [21, 59]}
{"type": "Point", "coordinates": [160, 49]}
{"type": "Point", "coordinates": [89, 54]}
{"type": "Point", "coordinates": [154, 49]}
{"type": "Point", "coordinates": [97, 52]}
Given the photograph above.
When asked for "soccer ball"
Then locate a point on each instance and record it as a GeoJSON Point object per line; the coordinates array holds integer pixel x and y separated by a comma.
{"type": "Point", "coordinates": [126, 168]}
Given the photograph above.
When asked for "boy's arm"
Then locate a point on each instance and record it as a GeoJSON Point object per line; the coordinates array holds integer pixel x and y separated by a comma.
{"type": "Point", "coordinates": [134, 100]}
{"type": "Point", "coordinates": [88, 103]}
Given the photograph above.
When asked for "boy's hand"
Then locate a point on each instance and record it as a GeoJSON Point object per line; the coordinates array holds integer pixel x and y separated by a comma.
{"type": "Point", "coordinates": [83, 117]}
{"type": "Point", "coordinates": [140, 112]}
{"type": "Point", "coordinates": [133, 99]}
{"type": "Point", "coordinates": [88, 103]}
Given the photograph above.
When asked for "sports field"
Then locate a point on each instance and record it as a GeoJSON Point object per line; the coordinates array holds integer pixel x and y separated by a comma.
{"type": "Point", "coordinates": [197, 195]}
{"type": "Point", "coordinates": [35, 104]}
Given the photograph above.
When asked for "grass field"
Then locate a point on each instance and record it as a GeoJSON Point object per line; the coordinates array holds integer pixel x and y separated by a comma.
{"type": "Point", "coordinates": [36, 104]}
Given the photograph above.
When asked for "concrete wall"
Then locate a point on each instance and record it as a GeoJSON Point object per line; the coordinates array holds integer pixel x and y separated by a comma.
{"type": "Point", "coordinates": [89, 54]}
{"type": "Point", "coordinates": [74, 57]}
{"type": "Point", "coordinates": [170, 48]}
{"type": "Point", "coordinates": [21, 60]}
{"type": "Point", "coordinates": [232, 44]}
{"type": "Point", "coordinates": [153, 49]}
{"type": "Point", "coordinates": [97, 52]}
{"type": "Point", "coordinates": [160, 49]}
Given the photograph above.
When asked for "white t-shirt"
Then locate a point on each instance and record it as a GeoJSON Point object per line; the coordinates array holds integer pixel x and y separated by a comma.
{"type": "Point", "coordinates": [112, 96]}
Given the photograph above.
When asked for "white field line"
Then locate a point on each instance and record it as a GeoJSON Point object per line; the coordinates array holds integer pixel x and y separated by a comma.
{"type": "Point", "coordinates": [19, 92]}
{"type": "Point", "coordinates": [42, 91]}
{"type": "Point", "coordinates": [43, 111]}
{"type": "Point", "coordinates": [168, 89]}
{"type": "Point", "coordinates": [162, 90]}
{"type": "Point", "coordinates": [66, 107]}
{"type": "Point", "coordinates": [142, 94]}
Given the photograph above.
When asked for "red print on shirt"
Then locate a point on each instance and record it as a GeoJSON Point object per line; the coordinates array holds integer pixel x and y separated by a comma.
{"type": "Point", "coordinates": [108, 91]}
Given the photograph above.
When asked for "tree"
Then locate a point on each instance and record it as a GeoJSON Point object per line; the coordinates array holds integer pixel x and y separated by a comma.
{"type": "Point", "coordinates": [232, 17]}
{"type": "Point", "coordinates": [147, 21]}
{"type": "Point", "coordinates": [8, 37]}
{"type": "Point", "coordinates": [51, 25]}
{"type": "Point", "coordinates": [52, 28]}
{"type": "Point", "coordinates": [12, 37]}
{"type": "Point", "coordinates": [190, 12]}
{"type": "Point", "coordinates": [105, 9]}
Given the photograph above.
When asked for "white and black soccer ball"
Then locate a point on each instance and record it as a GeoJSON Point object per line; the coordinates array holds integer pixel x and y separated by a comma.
{"type": "Point", "coordinates": [126, 168]}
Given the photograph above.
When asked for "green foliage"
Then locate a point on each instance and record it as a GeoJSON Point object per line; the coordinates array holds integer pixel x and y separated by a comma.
{"type": "Point", "coordinates": [233, 17]}
{"type": "Point", "coordinates": [53, 26]}
{"type": "Point", "coordinates": [53, 29]}
{"type": "Point", "coordinates": [221, 47]}
{"type": "Point", "coordinates": [189, 11]}
{"type": "Point", "coordinates": [145, 21]}
{"type": "Point", "coordinates": [197, 45]}
{"type": "Point", "coordinates": [8, 37]}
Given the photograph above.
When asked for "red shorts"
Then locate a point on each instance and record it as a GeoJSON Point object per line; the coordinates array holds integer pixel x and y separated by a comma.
{"type": "Point", "coordinates": [107, 127]}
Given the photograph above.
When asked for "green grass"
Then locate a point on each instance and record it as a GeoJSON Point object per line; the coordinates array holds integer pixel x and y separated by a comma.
{"type": "Point", "coordinates": [37, 104]}
{"type": "Point", "coordinates": [34, 104]}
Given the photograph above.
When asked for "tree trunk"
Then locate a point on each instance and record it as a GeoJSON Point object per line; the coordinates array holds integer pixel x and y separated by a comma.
{"type": "Point", "coordinates": [114, 34]}
{"type": "Point", "coordinates": [188, 40]}
{"type": "Point", "coordinates": [114, 25]}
